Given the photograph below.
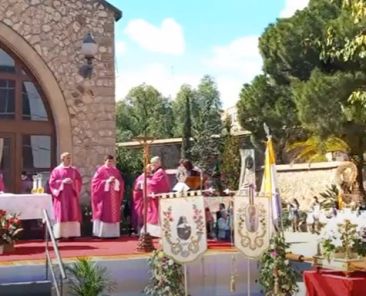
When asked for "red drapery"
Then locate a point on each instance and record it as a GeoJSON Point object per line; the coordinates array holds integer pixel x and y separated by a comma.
{"type": "Point", "coordinates": [334, 283]}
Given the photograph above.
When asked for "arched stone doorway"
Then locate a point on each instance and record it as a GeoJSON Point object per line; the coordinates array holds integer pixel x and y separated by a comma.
{"type": "Point", "coordinates": [27, 132]}
{"type": "Point", "coordinates": [30, 132]}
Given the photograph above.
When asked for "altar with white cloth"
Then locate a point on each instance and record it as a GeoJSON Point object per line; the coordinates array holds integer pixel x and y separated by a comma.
{"type": "Point", "coordinates": [27, 206]}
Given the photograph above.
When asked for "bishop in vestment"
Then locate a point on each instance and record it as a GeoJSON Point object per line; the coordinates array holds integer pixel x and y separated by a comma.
{"type": "Point", "coordinates": [157, 183]}
{"type": "Point", "coordinates": [65, 186]}
{"type": "Point", "coordinates": [107, 194]}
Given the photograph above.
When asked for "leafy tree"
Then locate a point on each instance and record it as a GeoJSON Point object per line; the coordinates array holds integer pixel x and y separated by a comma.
{"type": "Point", "coordinates": [207, 125]}
{"type": "Point", "coordinates": [263, 101]}
{"type": "Point", "coordinates": [314, 148]}
{"type": "Point", "coordinates": [142, 112]}
{"type": "Point", "coordinates": [230, 158]}
{"type": "Point", "coordinates": [124, 124]}
{"type": "Point", "coordinates": [179, 108]}
{"type": "Point", "coordinates": [130, 163]}
{"type": "Point", "coordinates": [329, 94]}
{"type": "Point", "coordinates": [289, 53]}
{"type": "Point", "coordinates": [182, 109]}
{"type": "Point", "coordinates": [187, 130]}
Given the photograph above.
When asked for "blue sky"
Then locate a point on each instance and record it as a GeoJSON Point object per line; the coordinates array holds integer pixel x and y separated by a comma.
{"type": "Point", "coordinates": [166, 43]}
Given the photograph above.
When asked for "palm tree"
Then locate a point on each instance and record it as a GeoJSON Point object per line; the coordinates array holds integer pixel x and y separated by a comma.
{"type": "Point", "coordinates": [314, 148]}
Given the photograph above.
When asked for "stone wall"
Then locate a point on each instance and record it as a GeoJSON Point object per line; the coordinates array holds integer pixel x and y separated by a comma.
{"type": "Point", "coordinates": [305, 180]}
{"type": "Point", "coordinates": [55, 29]}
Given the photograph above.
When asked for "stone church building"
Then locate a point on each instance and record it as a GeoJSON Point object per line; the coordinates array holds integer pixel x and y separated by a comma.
{"type": "Point", "coordinates": [46, 106]}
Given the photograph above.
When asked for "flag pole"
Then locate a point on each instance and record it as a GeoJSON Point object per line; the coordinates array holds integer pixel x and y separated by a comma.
{"type": "Point", "coordinates": [185, 279]}
{"type": "Point", "coordinates": [277, 194]}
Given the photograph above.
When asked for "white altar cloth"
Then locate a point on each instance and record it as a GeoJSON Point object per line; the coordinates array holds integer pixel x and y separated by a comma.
{"type": "Point", "coordinates": [28, 206]}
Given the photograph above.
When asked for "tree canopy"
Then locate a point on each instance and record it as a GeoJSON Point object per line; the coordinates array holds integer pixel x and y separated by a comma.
{"type": "Point", "coordinates": [289, 96]}
{"type": "Point", "coordinates": [144, 111]}
{"type": "Point", "coordinates": [313, 86]}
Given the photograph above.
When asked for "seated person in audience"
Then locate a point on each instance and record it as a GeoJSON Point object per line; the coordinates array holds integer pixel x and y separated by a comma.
{"type": "Point", "coordinates": [209, 223]}
{"type": "Point", "coordinates": [192, 171]}
{"type": "Point", "coordinates": [221, 209]}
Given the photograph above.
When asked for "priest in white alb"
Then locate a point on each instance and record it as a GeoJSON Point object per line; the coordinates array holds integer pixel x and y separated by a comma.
{"type": "Point", "coordinates": [107, 194]}
{"type": "Point", "coordinates": [65, 186]}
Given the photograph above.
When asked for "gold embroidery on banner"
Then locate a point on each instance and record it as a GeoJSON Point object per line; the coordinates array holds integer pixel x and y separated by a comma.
{"type": "Point", "coordinates": [252, 230]}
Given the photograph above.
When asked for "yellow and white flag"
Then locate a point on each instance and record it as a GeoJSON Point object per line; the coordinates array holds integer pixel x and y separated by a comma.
{"type": "Point", "coordinates": [269, 183]}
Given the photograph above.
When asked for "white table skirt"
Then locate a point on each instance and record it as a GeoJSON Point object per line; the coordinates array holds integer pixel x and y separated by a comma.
{"type": "Point", "coordinates": [28, 206]}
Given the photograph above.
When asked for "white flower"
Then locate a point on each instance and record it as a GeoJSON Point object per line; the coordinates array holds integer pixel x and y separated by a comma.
{"type": "Point", "coordinates": [170, 262]}
{"type": "Point", "coordinates": [337, 242]}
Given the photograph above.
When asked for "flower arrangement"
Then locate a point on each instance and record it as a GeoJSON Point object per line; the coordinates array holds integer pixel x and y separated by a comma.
{"type": "Point", "coordinates": [277, 277]}
{"type": "Point", "coordinates": [167, 277]}
{"type": "Point", "coordinates": [344, 235]}
{"type": "Point", "coordinates": [10, 227]}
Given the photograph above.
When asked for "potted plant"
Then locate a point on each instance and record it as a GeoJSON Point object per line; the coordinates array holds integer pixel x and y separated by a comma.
{"type": "Point", "coordinates": [88, 279]}
{"type": "Point", "coordinates": [344, 236]}
{"type": "Point", "coordinates": [167, 277]}
{"type": "Point", "coordinates": [10, 228]}
{"type": "Point", "coordinates": [277, 277]}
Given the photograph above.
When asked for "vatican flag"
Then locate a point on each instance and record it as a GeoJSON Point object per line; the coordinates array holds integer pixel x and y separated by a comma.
{"type": "Point", "coordinates": [269, 183]}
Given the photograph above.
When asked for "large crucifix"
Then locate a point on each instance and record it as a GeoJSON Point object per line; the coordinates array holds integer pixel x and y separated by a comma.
{"type": "Point", "coordinates": [145, 240]}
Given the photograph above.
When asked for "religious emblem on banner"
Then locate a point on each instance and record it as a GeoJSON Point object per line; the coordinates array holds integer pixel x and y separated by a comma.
{"type": "Point", "coordinates": [183, 226]}
{"type": "Point", "coordinates": [251, 223]}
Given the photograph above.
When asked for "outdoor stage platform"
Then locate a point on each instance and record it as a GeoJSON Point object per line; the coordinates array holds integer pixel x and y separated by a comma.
{"type": "Point", "coordinates": [209, 275]}
{"type": "Point", "coordinates": [121, 248]}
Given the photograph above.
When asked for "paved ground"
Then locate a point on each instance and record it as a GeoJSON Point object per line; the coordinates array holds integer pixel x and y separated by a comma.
{"type": "Point", "coordinates": [302, 243]}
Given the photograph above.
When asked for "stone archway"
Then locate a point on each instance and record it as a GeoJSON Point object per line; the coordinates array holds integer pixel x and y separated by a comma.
{"type": "Point", "coordinates": [46, 80]}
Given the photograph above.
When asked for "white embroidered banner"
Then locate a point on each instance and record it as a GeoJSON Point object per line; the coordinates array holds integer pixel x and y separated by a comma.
{"type": "Point", "coordinates": [183, 226]}
{"type": "Point", "coordinates": [251, 224]}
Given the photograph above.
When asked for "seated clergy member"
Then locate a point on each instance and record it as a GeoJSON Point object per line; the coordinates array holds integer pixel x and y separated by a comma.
{"type": "Point", "coordinates": [157, 183]}
{"type": "Point", "coordinates": [107, 193]}
{"type": "Point", "coordinates": [65, 186]}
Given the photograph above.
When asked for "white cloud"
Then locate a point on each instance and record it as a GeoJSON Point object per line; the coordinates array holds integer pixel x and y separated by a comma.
{"type": "Point", "coordinates": [236, 55]}
{"type": "Point", "coordinates": [291, 6]}
{"type": "Point", "coordinates": [234, 64]}
{"type": "Point", "coordinates": [161, 76]}
{"type": "Point", "coordinates": [230, 65]}
{"type": "Point", "coordinates": [167, 38]}
{"type": "Point", "coordinates": [120, 48]}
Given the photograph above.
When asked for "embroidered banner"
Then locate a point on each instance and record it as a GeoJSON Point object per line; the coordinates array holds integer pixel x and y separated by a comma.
{"type": "Point", "coordinates": [183, 225]}
{"type": "Point", "coordinates": [251, 224]}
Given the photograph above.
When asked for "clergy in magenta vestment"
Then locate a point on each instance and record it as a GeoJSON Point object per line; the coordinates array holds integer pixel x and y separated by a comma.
{"type": "Point", "coordinates": [2, 186]}
{"type": "Point", "coordinates": [157, 183]}
{"type": "Point", "coordinates": [138, 204]}
{"type": "Point", "coordinates": [65, 186]}
{"type": "Point", "coordinates": [107, 195]}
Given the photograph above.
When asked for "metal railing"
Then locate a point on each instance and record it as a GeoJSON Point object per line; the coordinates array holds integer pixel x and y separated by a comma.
{"type": "Point", "coordinates": [49, 266]}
